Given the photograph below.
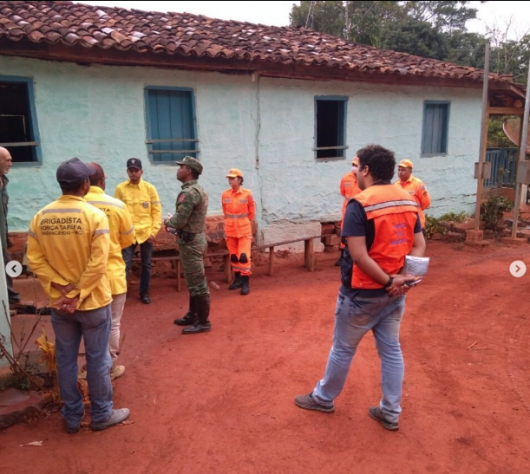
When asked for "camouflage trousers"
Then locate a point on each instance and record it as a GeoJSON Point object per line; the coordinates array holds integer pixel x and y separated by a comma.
{"type": "Point", "coordinates": [192, 255]}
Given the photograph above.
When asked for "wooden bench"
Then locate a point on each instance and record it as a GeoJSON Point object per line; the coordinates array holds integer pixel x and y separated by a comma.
{"type": "Point", "coordinates": [309, 257]}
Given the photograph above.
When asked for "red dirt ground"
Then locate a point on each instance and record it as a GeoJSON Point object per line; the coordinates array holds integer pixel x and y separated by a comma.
{"type": "Point", "coordinates": [223, 402]}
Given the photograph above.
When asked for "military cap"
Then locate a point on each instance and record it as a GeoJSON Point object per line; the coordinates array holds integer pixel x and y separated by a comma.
{"type": "Point", "coordinates": [193, 163]}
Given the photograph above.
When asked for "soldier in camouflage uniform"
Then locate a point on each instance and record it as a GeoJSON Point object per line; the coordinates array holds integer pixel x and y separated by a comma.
{"type": "Point", "coordinates": [188, 224]}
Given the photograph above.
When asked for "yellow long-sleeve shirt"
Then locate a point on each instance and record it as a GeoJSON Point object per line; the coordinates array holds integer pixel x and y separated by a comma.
{"type": "Point", "coordinates": [144, 205]}
{"type": "Point", "coordinates": [121, 235]}
{"type": "Point", "coordinates": [68, 242]}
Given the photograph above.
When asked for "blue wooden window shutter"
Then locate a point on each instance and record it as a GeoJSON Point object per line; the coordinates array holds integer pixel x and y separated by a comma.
{"type": "Point", "coordinates": [171, 126]}
{"type": "Point", "coordinates": [435, 128]}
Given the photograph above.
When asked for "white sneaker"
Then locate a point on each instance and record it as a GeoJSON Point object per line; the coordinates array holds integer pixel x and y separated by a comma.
{"type": "Point", "coordinates": [117, 371]}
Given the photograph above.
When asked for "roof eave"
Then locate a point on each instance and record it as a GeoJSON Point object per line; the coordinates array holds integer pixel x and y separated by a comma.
{"type": "Point", "coordinates": [82, 55]}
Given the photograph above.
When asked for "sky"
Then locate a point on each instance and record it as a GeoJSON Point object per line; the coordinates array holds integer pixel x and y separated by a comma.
{"type": "Point", "coordinates": [276, 13]}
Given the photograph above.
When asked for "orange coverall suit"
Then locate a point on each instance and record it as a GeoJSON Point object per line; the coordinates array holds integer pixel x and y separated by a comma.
{"type": "Point", "coordinates": [349, 189]}
{"type": "Point", "coordinates": [417, 190]}
{"type": "Point", "coordinates": [239, 209]}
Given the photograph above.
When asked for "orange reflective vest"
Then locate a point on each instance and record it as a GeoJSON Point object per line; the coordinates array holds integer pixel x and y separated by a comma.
{"type": "Point", "coordinates": [395, 215]}
{"type": "Point", "coordinates": [417, 190]}
{"type": "Point", "coordinates": [348, 188]}
{"type": "Point", "coordinates": [239, 209]}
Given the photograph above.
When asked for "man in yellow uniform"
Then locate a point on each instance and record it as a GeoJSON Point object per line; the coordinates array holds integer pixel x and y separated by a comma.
{"type": "Point", "coordinates": [145, 208]}
{"type": "Point", "coordinates": [121, 237]}
{"type": "Point", "coordinates": [68, 250]}
{"type": "Point", "coordinates": [415, 187]}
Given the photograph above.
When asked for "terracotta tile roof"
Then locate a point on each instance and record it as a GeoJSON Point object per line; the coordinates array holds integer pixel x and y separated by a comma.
{"type": "Point", "coordinates": [193, 35]}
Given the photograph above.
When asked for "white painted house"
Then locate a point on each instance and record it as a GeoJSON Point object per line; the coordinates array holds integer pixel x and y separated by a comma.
{"type": "Point", "coordinates": [288, 106]}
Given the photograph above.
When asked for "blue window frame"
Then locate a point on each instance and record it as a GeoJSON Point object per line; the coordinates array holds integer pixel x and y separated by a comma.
{"type": "Point", "coordinates": [435, 128]}
{"type": "Point", "coordinates": [171, 123]}
{"type": "Point", "coordinates": [330, 127]}
{"type": "Point", "coordinates": [19, 132]}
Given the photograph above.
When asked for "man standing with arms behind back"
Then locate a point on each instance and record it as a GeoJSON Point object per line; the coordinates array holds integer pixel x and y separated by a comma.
{"type": "Point", "coordinates": [68, 250]}
{"type": "Point", "coordinates": [121, 237]}
{"type": "Point", "coordinates": [145, 208]}
{"type": "Point", "coordinates": [381, 226]}
{"type": "Point", "coordinates": [6, 163]}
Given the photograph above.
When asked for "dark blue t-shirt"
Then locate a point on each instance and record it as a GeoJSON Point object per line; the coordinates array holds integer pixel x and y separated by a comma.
{"type": "Point", "coordinates": [356, 224]}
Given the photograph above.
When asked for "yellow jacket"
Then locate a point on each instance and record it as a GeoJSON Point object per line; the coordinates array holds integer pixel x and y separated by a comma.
{"type": "Point", "coordinates": [144, 206]}
{"type": "Point", "coordinates": [121, 235]}
{"type": "Point", "coordinates": [68, 242]}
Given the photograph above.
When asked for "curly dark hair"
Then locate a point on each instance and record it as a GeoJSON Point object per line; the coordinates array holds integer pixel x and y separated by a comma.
{"type": "Point", "coordinates": [380, 161]}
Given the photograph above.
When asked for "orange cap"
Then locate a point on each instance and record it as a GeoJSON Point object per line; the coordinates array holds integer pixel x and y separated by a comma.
{"type": "Point", "coordinates": [234, 173]}
{"type": "Point", "coordinates": [355, 161]}
{"type": "Point", "coordinates": [406, 164]}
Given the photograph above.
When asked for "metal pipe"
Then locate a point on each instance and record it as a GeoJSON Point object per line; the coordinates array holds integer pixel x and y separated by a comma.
{"type": "Point", "coordinates": [483, 135]}
{"type": "Point", "coordinates": [522, 156]}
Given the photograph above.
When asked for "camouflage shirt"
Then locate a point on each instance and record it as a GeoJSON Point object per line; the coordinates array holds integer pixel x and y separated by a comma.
{"type": "Point", "coordinates": [192, 205]}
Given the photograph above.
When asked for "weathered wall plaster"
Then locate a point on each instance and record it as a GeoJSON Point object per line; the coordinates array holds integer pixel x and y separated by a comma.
{"type": "Point", "coordinates": [98, 114]}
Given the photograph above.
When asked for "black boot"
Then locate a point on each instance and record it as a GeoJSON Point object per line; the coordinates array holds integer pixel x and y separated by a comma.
{"type": "Point", "coordinates": [145, 297]}
{"type": "Point", "coordinates": [237, 282]}
{"type": "Point", "coordinates": [245, 285]}
{"type": "Point", "coordinates": [201, 324]}
{"type": "Point", "coordinates": [191, 316]}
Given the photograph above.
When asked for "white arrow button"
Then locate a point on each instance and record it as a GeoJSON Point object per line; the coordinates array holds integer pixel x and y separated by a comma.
{"type": "Point", "coordinates": [14, 269]}
{"type": "Point", "coordinates": [518, 269]}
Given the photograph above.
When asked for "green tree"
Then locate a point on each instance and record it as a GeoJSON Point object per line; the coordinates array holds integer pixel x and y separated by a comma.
{"type": "Point", "coordinates": [444, 16]}
{"type": "Point", "coordinates": [416, 37]}
{"type": "Point", "coordinates": [429, 29]}
{"type": "Point", "coordinates": [511, 57]}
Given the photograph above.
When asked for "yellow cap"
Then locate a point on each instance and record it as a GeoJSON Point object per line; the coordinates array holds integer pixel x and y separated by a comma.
{"type": "Point", "coordinates": [406, 164]}
{"type": "Point", "coordinates": [234, 173]}
{"type": "Point", "coordinates": [355, 161]}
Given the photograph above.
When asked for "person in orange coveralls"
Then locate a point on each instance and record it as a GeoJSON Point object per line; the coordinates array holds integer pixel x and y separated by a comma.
{"type": "Point", "coordinates": [414, 186]}
{"type": "Point", "coordinates": [239, 210]}
{"type": "Point", "coordinates": [348, 188]}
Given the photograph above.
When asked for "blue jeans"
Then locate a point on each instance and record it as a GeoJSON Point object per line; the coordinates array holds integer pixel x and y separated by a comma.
{"type": "Point", "coordinates": [146, 252]}
{"type": "Point", "coordinates": [94, 327]}
{"type": "Point", "coordinates": [353, 319]}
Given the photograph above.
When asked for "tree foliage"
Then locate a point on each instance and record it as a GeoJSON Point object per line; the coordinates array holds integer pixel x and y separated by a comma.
{"type": "Point", "coordinates": [434, 30]}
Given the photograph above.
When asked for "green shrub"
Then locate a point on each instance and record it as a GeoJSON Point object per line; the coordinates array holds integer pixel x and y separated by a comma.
{"type": "Point", "coordinates": [433, 226]}
{"type": "Point", "coordinates": [492, 212]}
{"type": "Point", "coordinates": [453, 217]}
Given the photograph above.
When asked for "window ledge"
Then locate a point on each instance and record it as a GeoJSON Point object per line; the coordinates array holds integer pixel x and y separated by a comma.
{"type": "Point", "coordinates": [434, 155]}
{"type": "Point", "coordinates": [337, 158]}
{"type": "Point", "coordinates": [27, 164]}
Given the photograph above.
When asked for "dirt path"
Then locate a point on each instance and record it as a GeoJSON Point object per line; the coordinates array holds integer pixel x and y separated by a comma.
{"type": "Point", "coordinates": [223, 402]}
